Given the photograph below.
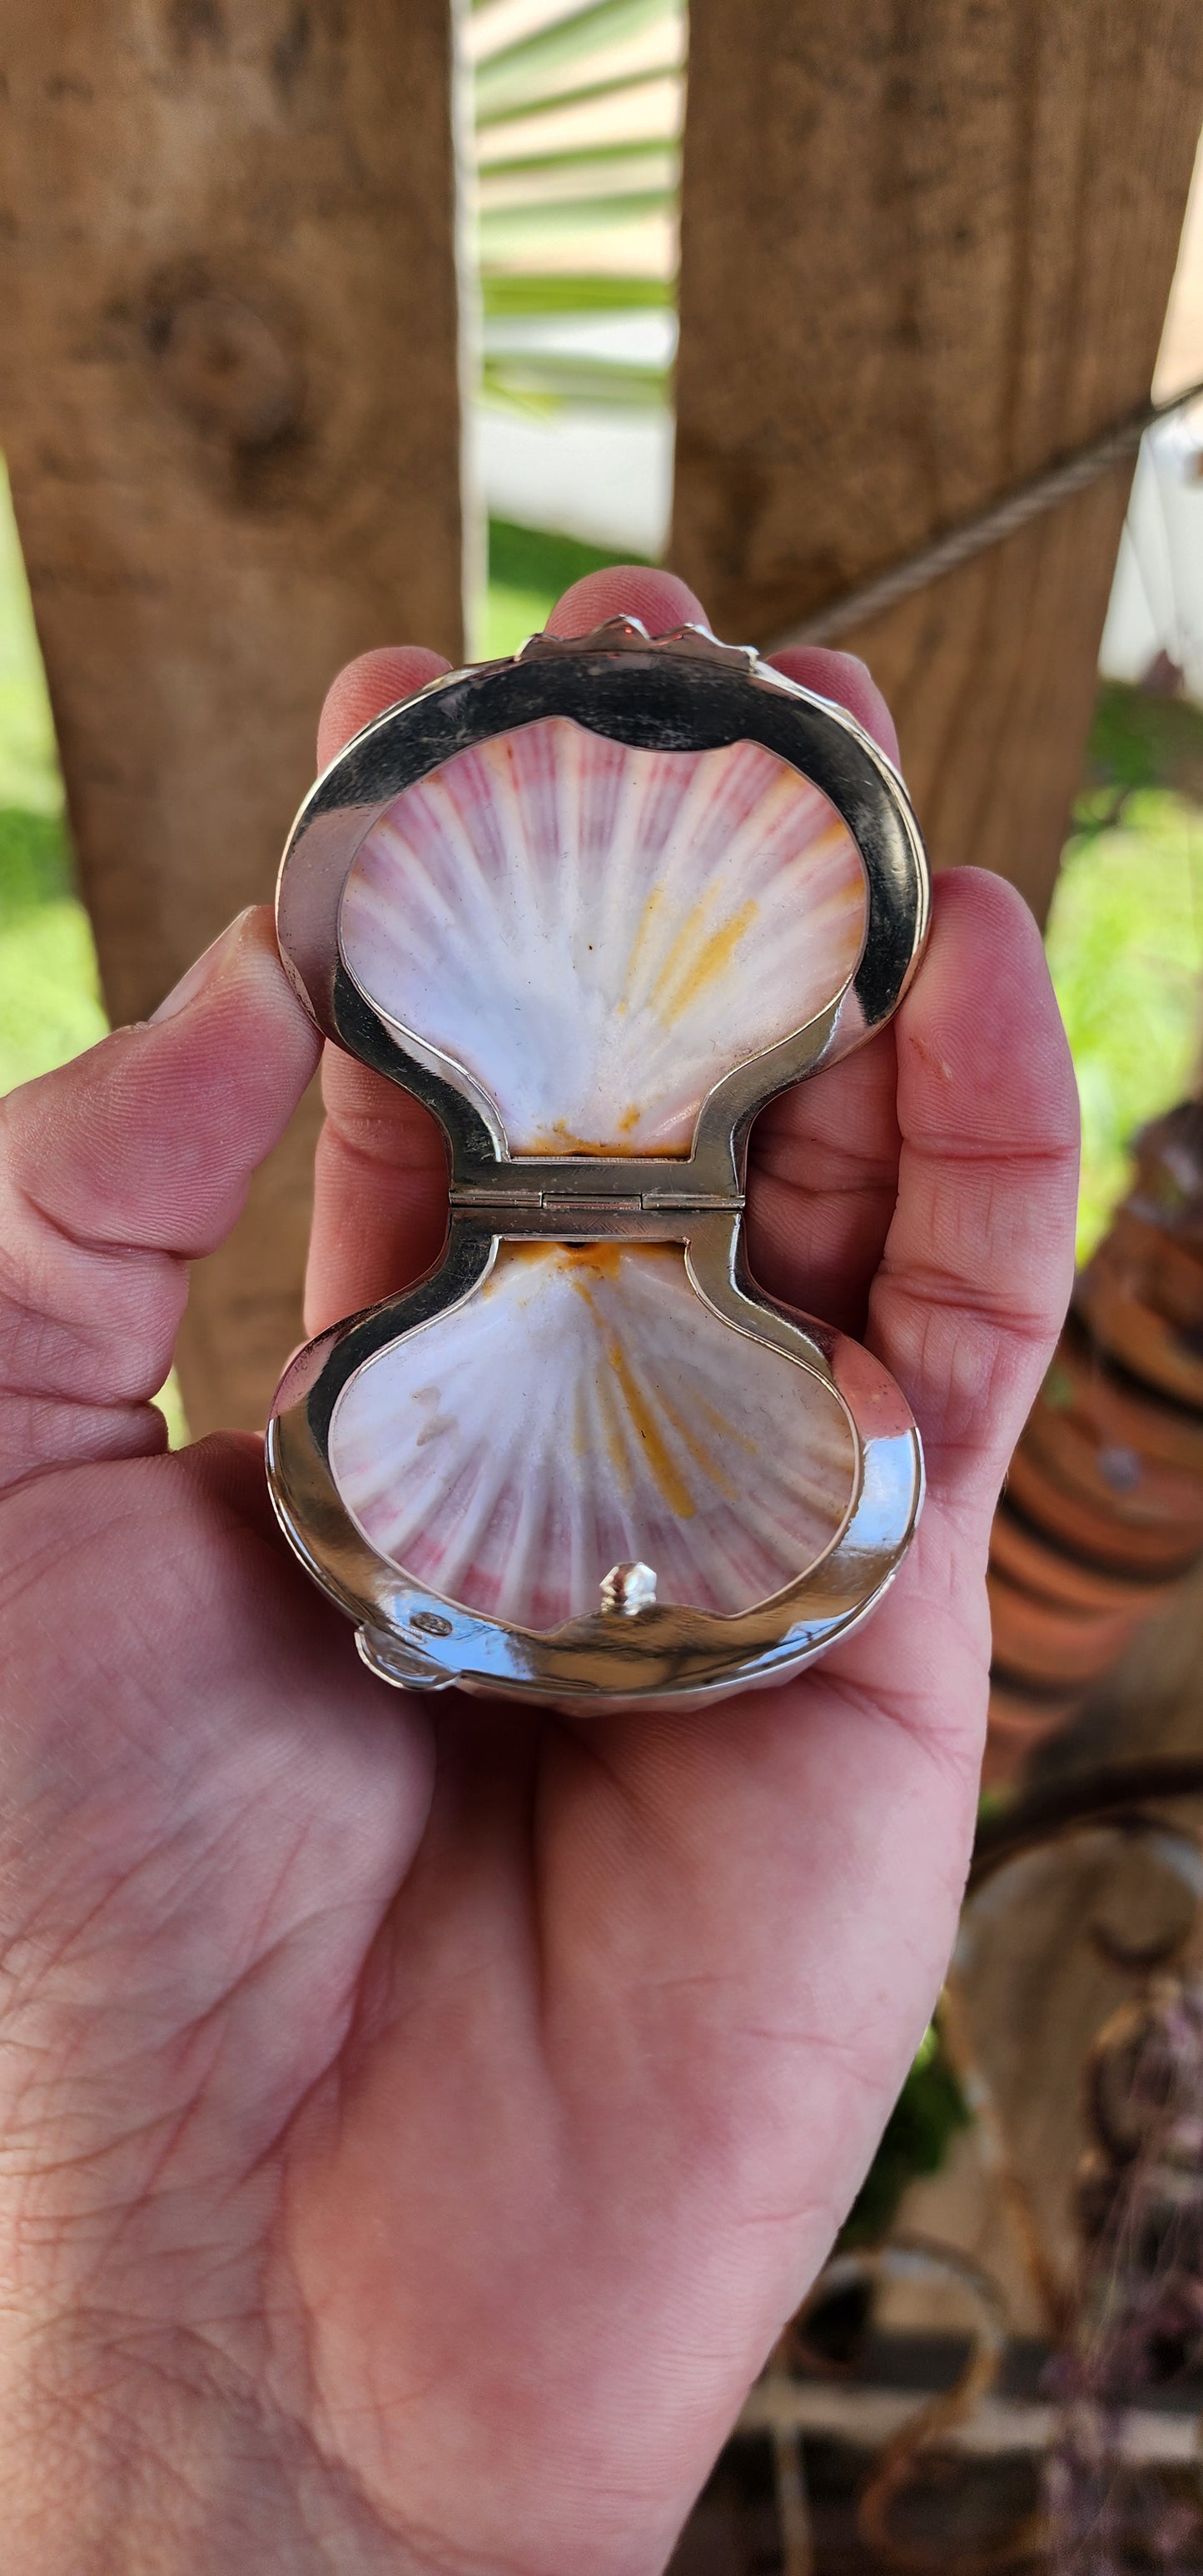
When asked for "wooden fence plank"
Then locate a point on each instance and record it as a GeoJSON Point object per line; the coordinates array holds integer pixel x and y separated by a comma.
{"type": "Point", "coordinates": [229, 399]}
{"type": "Point", "coordinates": [926, 249]}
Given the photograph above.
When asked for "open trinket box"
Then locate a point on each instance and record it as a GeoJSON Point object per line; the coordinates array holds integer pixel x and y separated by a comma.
{"type": "Point", "coordinates": [594, 906]}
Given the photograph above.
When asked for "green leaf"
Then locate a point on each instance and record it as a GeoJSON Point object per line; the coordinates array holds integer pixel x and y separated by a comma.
{"type": "Point", "coordinates": [534, 58]}
{"type": "Point", "coordinates": [538, 560]}
{"type": "Point", "coordinates": [532, 378]}
{"type": "Point", "coordinates": [585, 156]}
{"type": "Point", "coordinates": [918, 2134]}
{"type": "Point", "coordinates": [555, 212]}
{"type": "Point", "coordinates": [1125, 947]}
{"type": "Point", "coordinates": [556, 101]}
{"type": "Point", "coordinates": [570, 196]}
{"type": "Point", "coordinates": [518, 293]}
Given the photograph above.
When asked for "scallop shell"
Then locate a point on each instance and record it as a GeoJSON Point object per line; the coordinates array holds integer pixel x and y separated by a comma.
{"type": "Point", "coordinates": [585, 1411]}
{"type": "Point", "coordinates": [596, 933]}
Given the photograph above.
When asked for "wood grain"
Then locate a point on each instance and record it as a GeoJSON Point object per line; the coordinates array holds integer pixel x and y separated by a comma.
{"type": "Point", "coordinates": [926, 249]}
{"type": "Point", "coordinates": [229, 398]}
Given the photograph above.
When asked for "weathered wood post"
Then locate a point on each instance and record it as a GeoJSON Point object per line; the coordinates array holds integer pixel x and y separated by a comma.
{"type": "Point", "coordinates": [228, 392]}
{"type": "Point", "coordinates": [926, 250]}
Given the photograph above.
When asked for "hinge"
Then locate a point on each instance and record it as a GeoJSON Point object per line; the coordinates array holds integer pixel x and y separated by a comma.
{"type": "Point", "coordinates": [585, 1203]}
{"type": "Point", "coordinates": [653, 1196]}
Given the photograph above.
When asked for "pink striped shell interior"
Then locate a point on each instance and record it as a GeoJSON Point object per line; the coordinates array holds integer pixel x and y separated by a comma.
{"type": "Point", "coordinates": [597, 934]}
{"type": "Point", "coordinates": [585, 1409]}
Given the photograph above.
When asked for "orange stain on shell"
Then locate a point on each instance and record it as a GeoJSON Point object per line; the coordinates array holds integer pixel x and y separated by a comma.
{"type": "Point", "coordinates": [601, 1258]}
{"type": "Point", "coordinates": [624, 1406]}
{"type": "Point", "coordinates": [562, 1139]}
{"type": "Point", "coordinates": [694, 961]}
{"type": "Point", "coordinates": [701, 1457]}
{"type": "Point", "coordinates": [668, 1478]}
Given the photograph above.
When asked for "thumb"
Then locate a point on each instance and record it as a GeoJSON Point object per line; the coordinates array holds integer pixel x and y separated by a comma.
{"type": "Point", "coordinates": [115, 1173]}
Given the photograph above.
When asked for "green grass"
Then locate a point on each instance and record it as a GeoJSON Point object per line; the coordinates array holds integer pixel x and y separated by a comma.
{"type": "Point", "coordinates": [527, 571]}
{"type": "Point", "coordinates": [50, 1004]}
{"type": "Point", "coordinates": [29, 771]}
{"type": "Point", "coordinates": [1125, 946]}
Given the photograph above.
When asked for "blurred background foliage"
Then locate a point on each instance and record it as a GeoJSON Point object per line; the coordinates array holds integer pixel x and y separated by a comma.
{"type": "Point", "coordinates": [925, 2119]}
{"type": "Point", "coordinates": [50, 1003]}
{"type": "Point", "coordinates": [528, 569]}
{"type": "Point", "coordinates": [1125, 943]}
{"type": "Point", "coordinates": [577, 114]}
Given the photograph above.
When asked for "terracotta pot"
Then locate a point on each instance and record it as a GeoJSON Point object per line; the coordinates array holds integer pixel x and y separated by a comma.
{"type": "Point", "coordinates": [1165, 1271]}
{"type": "Point", "coordinates": [1038, 1563]}
{"type": "Point", "coordinates": [1091, 1528]}
{"type": "Point", "coordinates": [1139, 1491]}
{"type": "Point", "coordinates": [1104, 1500]}
{"type": "Point", "coordinates": [1119, 1412]}
{"type": "Point", "coordinates": [1137, 1335]}
{"type": "Point", "coordinates": [1050, 1642]}
{"type": "Point", "coordinates": [1019, 1721]}
{"type": "Point", "coordinates": [1168, 1192]}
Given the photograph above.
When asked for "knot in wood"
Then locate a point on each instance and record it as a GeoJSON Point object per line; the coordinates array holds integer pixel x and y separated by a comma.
{"type": "Point", "coordinates": [227, 369]}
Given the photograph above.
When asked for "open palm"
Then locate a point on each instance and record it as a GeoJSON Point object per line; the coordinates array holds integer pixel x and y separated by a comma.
{"type": "Point", "coordinates": [417, 2119]}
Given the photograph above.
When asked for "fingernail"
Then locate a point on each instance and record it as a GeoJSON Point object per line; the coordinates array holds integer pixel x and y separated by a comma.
{"type": "Point", "coordinates": [198, 974]}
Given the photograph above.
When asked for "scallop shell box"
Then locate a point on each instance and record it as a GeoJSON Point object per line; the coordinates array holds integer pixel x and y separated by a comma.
{"type": "Point", "coordinates": [587, 1433]}
{"type": "Point", "coordinates": [596, 935]}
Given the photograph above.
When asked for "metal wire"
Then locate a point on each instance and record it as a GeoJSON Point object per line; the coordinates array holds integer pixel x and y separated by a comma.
{"type": "Point", "coordinates": [988, 527]}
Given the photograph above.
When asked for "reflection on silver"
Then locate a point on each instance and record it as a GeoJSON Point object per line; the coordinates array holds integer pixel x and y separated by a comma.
{"type": "Point", "coordinates": [628, 1589]}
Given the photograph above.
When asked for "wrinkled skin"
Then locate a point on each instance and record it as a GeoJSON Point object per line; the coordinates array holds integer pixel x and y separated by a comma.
{"type": "Point", "coordinates": [417, 2119]}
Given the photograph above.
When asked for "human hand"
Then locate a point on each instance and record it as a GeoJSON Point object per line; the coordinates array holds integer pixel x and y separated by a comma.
{"type": "Point", "coordinates": [418, 2119]}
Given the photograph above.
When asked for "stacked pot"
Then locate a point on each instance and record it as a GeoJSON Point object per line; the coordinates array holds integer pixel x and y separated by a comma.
{"type": "Point", "coordinates": [1103, 1506]}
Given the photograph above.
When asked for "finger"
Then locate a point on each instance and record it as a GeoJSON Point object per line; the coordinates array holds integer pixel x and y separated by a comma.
{"type": "Point", "coordinates": [823, 1159]}
{"type": "Point", "coordinates": [115, 1173]}
{"type": "Point", "coordinates": [365, 687]}
{"type": "Point", "coordinates": [380, 1193]}
{"type": "Point", "coordinates": [658, 599]}
{"type": "Point", "coordinates": [822, 1183]}
{"type": "Point", "coordinates": [978, 1262]}
{"type": "Point", "coordinates": [844, 677]}
{"type": "Point", "coordinates": [380, 1177]}
{"type": "Point", "coordinates": [846, 1801]}
{"type": "Point", "coordinates": [974, 1282]}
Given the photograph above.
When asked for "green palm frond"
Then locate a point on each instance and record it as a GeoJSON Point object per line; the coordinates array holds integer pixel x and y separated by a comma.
{"type": "Point", "coordinates": [578, 160]}
{"type": "Point", "coordinates": [624, 86]}
{"type": "Point", "coordinates": [528, 68]}
{"type": "Point", "coordinates": [577, 114]}
{"type": "Point", "coordinates": [527, 291]}
{"type": "Point", "coordinates": [541, 384]}
{"type": "Point", "coordinates": [550, 214]}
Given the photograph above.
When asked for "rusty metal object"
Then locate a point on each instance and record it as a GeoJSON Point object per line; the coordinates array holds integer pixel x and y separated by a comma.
{"type": "Point", "coordinates": [1139, 2313]}
{"type": "Point", "coordinates": [1115, 2309]}
{"type": "Point", "coordinates": [1104, 1502]}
